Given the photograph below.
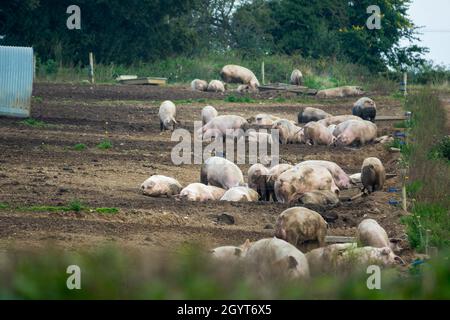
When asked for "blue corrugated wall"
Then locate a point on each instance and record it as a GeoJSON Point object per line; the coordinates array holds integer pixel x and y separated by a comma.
{"type": "Point", "coordinates": [16, 81]}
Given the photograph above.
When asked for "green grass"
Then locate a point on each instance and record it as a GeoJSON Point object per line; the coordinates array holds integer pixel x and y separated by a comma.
{"type": "Point", "coordinates": [239, 99]}
{"type": "Point", "coordinates": [34, 123]}
{"type": "Point", "coordinates": [429, 172]}
{"type": "Point", "coordinates": [3, 205]}
{"type": "Point", "coordinates": [107, 210]}
{"type": "Point", "coordinates": [430, 221]}
{"type": "Point", "coordinates": [79, 147]}
{"type": "Point", "coordinates": [72, 206]}
{"type": "Point", "coordinates": [402, 125]}
{"type": "Point", "coordinates": [105, 145]}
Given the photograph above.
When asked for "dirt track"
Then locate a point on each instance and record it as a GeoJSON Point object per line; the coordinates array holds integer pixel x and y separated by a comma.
{"type": "Point", "coordinates": [38, 166]}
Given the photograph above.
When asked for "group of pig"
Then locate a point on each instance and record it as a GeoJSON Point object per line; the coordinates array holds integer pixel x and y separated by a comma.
{"type": "Point", "coordinates": [229, 74]}
{"type": "Point", "coordinates": [300, 229]}
{"type": "Point", "coordinates": [320, 127]}
{"type": "Point", "coordinates": [313, 182]}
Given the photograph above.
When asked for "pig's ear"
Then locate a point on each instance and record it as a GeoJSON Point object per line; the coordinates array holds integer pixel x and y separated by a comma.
{"type": "Point", "coordinates": [246, 245]}
{"type": "Point", "coordinates": [237, 252]}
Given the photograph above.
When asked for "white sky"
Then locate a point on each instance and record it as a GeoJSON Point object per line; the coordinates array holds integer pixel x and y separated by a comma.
{"type": "Point", "coordinates": [434, 16]}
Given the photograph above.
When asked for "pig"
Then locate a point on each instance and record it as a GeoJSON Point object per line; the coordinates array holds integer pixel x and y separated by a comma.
{"type": "Point", "coordinates": [208, 113]}
{"type": "Point", "coordinates": [288, 132]}
{"type": "Point", "coordinates": [370, 233]}
{"type": "Point", "coordinates": [365, 108]}
{"type": "Point", "coordinates": [356, 132]}
{"type": "Point", "coordinates": [337, 119]}
{"type": "Point", "coordinates": [216, 86]}
{"type": "Point", "coordinates": [295, 182]}
{"type": "Point", "coordinates": [259, 137]}
{"type": "Point", "coordinates": [340, 92]}
{"type": "Point", "coordinates": [257, 180]}
{"type": "Point", "coordinates": [275, 257]}
{"type": "Point", "coordinates": [341, 179]}
{"type": "Point", "coordinates": [272, 176]}
{"type": "Point", "coordinates": [356, 178]}
{"type": "Point", "coordinates": [220, 124]}
{"type": "Point", "coordinates": [373, 175]}
{"type": "Point", "coordinates": [264, 119]}
{"type": "Point", "coordinates": [238, 74]}
{"type": "Point", "coordinates": [345, 258]}
{"type": "Point", "coordinates": [231, 253]}
{"type": "Point", "coordinates": [301, 226]}
{"type": "Point", "coordinates": [222, 173]}
{"type": "Point", "coordinates": [331, 128]}
{"type": "Point", "coordinates": [246, 88]}
{"type": "Point", "coordinates": [240, 194]}
{"type": "Point", "coordinates": [296, 78]}
{"type": "Point", "coordinates": [158, 186]}
{"type": "Point", "coordinates": [317, 134]}
{"type": "Point", "coordinates": [323, 198]}
{"type": "Point", "coordinates": [167, 114]}
{"type": "Point", "coordinates": [201, 192]}
{"type": "Point", "coordinates": [199, 85]}
{"type": "Point", "coordinates": [384, 139]}
{"type": "Point", "coordinates": [312, 114]}
{"type": "Point", "coordinates": [324, 260]}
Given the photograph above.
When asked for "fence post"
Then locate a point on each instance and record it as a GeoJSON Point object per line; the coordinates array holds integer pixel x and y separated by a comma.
{"type": "Point", "coordinates": [263, 73]}
{"type": "Point", "coordinates": [405, 84]}
{"type": "Point", "coordinates": [404, 173]}
{"type": "Point", "coordinates": [91, 67]}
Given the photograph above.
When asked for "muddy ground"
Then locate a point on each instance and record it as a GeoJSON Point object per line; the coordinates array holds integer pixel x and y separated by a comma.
{"type": "Point", "coordinates": [38, 166]}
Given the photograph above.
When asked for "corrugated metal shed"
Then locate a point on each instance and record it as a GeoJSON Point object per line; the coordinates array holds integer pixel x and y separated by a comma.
{"type": "Point", "coordinates": [16, 81]}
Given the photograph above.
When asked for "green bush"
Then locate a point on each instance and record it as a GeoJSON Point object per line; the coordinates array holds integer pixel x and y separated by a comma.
{"type": "Point", "coordinates": [104, 145]}
{"type": "Point", "coordinates": [107, 210]}
{"type": "Point", "coordinates": [79, 147]}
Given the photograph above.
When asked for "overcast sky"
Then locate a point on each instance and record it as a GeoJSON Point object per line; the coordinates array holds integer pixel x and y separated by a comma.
{"type": "Point", "coordinates": [434, 16]}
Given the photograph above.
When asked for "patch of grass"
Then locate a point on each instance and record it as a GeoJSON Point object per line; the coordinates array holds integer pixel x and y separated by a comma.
{"type": "Point", "coordinates": [413, 188]}
{"type": "Point", "coordinates": [75, 205]}
{"type": "Point", "coordinates": [38, 99]}
{"type": "Point", "coordinates": [239, 99]}
{"type": "Point", "coordinates": [79, 147]}
{"type": "Point", "coordinates": [3, 205]}
{"type": "Point", "coordinates": [441, 150]}
{"type": "Point", "coordinates": [105, 145]}
{"type": "Point", "coordinates": [429, 224]}
{"type": "Point", "coordinates": [107, 210]}
{"type": "Point", "coordinates": [33, 123]}
{"type": "Point", "coordinates": [402, 125]}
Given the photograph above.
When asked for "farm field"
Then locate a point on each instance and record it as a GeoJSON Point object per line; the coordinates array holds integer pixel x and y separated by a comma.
{"type": "Point", "coordinates": [40, 166]}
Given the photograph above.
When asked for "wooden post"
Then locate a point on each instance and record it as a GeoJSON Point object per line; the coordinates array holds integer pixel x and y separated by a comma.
{"type": "Point", "coordinates": [263, 73]}
{"type": "Point", "coordinates": [91, 67]}
{"type": "Point", "coordinates": [404, 202]}
{"type": "Point", "coordinates": [405, 84]}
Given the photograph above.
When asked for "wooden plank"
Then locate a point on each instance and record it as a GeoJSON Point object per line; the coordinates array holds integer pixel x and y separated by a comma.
{"type": "Point", "coordinates": [339, 239]}
{"type": "Point", "coordinates": [146, 81]}
{"type": "Point", "coordinates": [390, 118]}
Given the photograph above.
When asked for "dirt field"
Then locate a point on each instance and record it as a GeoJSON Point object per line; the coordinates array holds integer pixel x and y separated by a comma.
{"type": "Point", "coordinates": [38, 166]}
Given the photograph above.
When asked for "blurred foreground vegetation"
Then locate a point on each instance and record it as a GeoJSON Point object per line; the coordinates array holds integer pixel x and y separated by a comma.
{"type": "Point", "coordinates": [113, 274]}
